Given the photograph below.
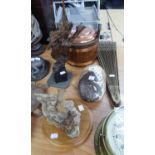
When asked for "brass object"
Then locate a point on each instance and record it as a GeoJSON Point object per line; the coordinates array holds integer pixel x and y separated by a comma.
{"type": "Point", "coordinates": [109, 135]}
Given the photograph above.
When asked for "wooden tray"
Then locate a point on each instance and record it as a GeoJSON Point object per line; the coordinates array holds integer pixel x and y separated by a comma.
{"type": "Point", "coordinates": [63, 142]}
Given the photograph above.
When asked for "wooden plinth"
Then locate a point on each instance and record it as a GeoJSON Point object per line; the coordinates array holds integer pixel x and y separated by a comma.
{"type": "Point", "coordinates": [63, 142]}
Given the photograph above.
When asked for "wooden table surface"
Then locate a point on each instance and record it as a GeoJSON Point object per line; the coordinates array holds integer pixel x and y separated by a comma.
{"type": "Point", "coordinates": [40, 145]}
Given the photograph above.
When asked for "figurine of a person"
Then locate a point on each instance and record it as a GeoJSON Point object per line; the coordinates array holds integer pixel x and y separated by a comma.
{"type": "Point", "coordinates": [36, 35]}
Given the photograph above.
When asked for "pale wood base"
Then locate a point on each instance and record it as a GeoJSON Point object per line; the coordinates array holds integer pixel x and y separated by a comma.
{"type": "Point", "coordinates": [63, 142]}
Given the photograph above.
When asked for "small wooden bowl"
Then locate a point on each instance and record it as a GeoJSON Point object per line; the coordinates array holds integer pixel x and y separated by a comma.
{"type": "Point", "coordinates": [82, 54]}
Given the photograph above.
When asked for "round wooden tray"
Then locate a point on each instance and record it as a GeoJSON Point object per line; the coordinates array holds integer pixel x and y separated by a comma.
{"type": "Point", "coordinates": [63, 142]}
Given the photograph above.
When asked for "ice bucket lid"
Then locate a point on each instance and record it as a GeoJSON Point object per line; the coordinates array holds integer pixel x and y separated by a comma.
{"type": "Point", "coordinates": [77, 12]}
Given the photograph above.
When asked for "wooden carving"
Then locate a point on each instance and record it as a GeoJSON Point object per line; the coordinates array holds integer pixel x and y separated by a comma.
{"type": "Point", "coordinates": [60, 39]}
